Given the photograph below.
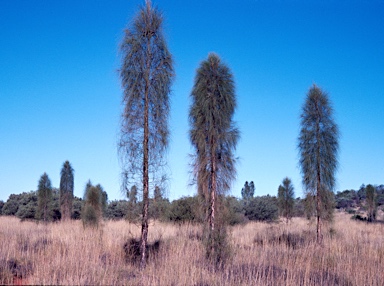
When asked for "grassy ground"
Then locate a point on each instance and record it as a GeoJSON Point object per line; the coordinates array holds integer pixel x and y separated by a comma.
{"type": "Point", "coordinates": [262, 254]}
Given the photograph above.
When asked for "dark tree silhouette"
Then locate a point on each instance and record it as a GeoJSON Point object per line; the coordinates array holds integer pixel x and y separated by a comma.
{"type": "Point", "coordinates": [248, 191]}
{"type": "Point", "coordinates": [318, 146]}
{"type": "Point", "coordinates": [285, 199]}
{"type": "Point", "coordinates": [44, 197]}
{"type": "Point", "coordinates": [66, 191]}
{"type": "Point", "coordinates": [146, 75]}
{"type": "Point", "coordinates": [371, 202]}
{"type": "Point", "coordinates": [214, 136]}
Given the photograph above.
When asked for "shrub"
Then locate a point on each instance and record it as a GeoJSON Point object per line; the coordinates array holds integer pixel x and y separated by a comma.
{"type": "Point", "coordinates": [234, 213]}
{"type": "Point", "coordinates": [117, 209]}
{"type": "Point", "coordinates": [76, 208]}
{"type": "Point", "coordinates": [183, 210]}
{"type": "Point", "coordinates": [1, 207]}
{"type": "Point", "coordinates": [90, 217]}
{"type": "Point", "coordinates": [262, 209]}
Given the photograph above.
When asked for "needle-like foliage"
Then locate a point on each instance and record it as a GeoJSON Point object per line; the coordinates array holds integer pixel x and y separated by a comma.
{"type": "Point", "coordinates": [318, 146]}
{"type": "Point", "coordinates": [66, 191]}
{"type": "Point", "coordinates": [371, 195]}
{"type": "Point", "coordinates": [44, 197]}
{"type": "Point", "coordinates": [146, 74]}
{"type": "Point", "coordinates": [214, 136]}
{"type": "Point", "coordinates": [285, 199]}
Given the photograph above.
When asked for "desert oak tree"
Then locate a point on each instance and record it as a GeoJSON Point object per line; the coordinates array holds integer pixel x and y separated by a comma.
{"type": "Point", "coordinates": [66, 191]}
{"type": "Point", "coordinates": [318, 146]}
{"type": "Point", "coordinates": [44, 197]}
{"type": "Point", "coordinates": [146, 75]}
{"type": "Point", "coordinates": [285, 199]}
{"type": "Point", "coordinates": [214, 136]}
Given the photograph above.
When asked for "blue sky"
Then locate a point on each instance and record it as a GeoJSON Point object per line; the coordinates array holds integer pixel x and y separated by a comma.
{"type": "Point", "coordinates": [60, 95]}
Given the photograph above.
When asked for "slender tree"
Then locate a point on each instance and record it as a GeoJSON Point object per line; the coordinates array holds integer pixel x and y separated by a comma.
{"type": "Point", "coordinates": [371, 202]}
{"type": "Point", "coordinates": [44, 198]}
{"type": "Point", "coordinates": [285, 199]}
{"type": "Point", "coordinates": [66, 191]}
{"type": "Point", "coordinates": [214, 136]}
{"type": "Point", "coordinates": [146, 75]}
{"type": "Point", "coordinates": [318, 146]}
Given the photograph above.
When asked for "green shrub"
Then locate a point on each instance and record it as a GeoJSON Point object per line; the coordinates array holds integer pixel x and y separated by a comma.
{"type": "Point", "coordinates": [1, 207]}
{"type": "Point", "coordinates": [262, 209]}
{"type": "Point", "coordinates": [183, 210]}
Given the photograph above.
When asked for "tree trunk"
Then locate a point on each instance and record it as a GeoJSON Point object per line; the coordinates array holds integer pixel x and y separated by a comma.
{"type": "Point", "coordinates": [319, 235]}
{"type": "Point", "coordinates": [213, 188]}
{"type": "Point", "coordinates": [144, 223]}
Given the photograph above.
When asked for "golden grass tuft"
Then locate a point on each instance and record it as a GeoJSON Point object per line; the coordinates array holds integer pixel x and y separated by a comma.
{"type": "Point", "coordinates": [262, 254]}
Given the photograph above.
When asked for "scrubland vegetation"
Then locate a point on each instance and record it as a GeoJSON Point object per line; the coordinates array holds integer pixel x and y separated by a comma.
{"type": "Point", "coordinates": [261, 253]}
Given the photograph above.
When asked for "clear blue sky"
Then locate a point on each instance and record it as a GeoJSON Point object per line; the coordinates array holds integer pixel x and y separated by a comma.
{"type": "Point", "coordinates": [60, 95]}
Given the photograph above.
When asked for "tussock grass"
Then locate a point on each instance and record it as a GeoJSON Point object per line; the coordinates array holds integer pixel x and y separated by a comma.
{"type": "Point", "coordinates": [262, 254]}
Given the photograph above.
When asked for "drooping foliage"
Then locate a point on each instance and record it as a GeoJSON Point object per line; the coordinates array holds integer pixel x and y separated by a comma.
{"type": "Point", "coordinates": [214, 136]}
{"type": "Point", "coordinates": [146, 74]}
{"type": "Point", "coordinates": [318, 147]}
{"type": "Point", "coordinates": [66, 190]}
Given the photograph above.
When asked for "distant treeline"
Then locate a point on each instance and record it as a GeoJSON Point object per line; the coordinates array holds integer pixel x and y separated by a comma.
{"type": "Point", "coordinates": [186, 209]}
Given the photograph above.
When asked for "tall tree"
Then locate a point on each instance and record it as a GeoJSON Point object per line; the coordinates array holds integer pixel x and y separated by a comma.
{"type": "Point", "coordinates": [146, 75]}
{"type": "Point", "coordinates": [214, 136]}
{"type": "Point", "coordinates": [371, 202]}
{"type": "Point", "coordinates": [285, 199]}
{"type": "Point", "coordinates": [66, 191]}
{"type": "Point", "coordinates": [44, 197]}
{"type": "Point", "coordinates": [318, 146]}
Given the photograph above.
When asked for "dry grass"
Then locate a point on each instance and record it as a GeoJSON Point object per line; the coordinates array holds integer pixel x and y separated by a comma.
{"type": "Point", "coordinates": [262, 254]}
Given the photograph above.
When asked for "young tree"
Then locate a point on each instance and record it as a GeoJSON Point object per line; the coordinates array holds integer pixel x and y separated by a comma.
{"type": "Point", "coordinates": [44, 198]}
{"type": "Point", "coordinates": [318, 147]}
{"type": "Point", "coordinates": [371, 202]}
{"type": "Point", "coordinates": [66, 191]}
{"type": "Point", "coordinates": [132, 213]}
{"type": "Point", "coordinates": [146, 75]}
{"type": "Point", "coordinates": [214, 136]}
{"type": "Point", "coordinates": [92, 212]}
{"type": "Point", "coordinates": [285, 199]}
{"type": "Point", "coordinates": [103, 199]}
